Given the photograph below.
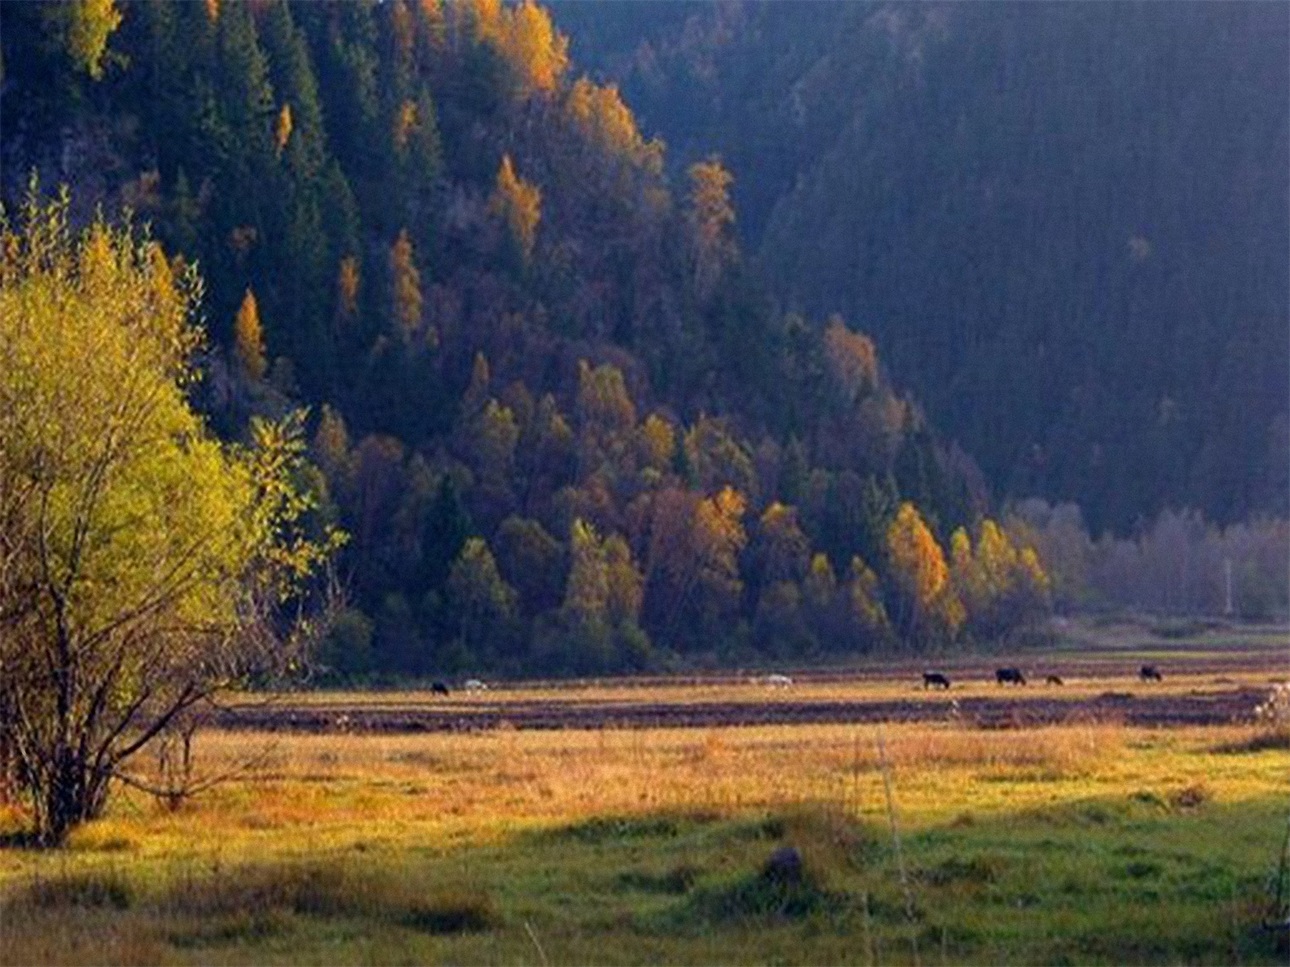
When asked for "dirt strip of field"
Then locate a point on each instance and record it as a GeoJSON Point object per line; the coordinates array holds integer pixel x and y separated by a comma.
{"type": "Point", "coordinates": [1199, 708]}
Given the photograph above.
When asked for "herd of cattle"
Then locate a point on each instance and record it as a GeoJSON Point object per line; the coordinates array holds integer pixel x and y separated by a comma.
{"type": "Point", "coordinates": [1014, 676]}
{"type": "Point", "coordinates": [1010, 675]}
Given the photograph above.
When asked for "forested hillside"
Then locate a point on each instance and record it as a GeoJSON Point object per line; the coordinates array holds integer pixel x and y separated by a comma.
{"type": "Point", "coordinates": [1064, 224]}
{"type": "Point", "coordinates": [556, 411]}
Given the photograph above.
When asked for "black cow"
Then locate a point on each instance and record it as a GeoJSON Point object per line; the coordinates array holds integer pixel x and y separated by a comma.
{"type": "Point", "coordinates": [1009, 676]}
{"type": "Point", "coordinates": [438, 688]}
{"type": "Point", "coordinates": [1150, 673]}
{"type": "Point", "coordinates": [1054, 680]}
{"type": "Point", "coordinates": [935, 679]}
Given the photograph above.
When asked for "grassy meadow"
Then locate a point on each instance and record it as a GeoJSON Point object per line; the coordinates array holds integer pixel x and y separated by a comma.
{"type": "Point", "coordinates": [937, 842]}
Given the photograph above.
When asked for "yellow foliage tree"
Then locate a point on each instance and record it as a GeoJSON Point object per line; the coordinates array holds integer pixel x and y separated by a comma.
{"type": "Point", "coordinates": [851, 356]}
{"type": "Point", "coordinates": [932, 610]}
{"type": "Point", "coordinates": [603, 400]}
{"type": "Point", "coordinates": [711, 216]}
{"type": "Point", "coordinates": [406, 283]}
{"type": "Point", "coordinates": [717, 457]}
{"type": "Point", "coordinates": [348, 281]}
{"type": "Point", "coordinates": [780, 549]}
{"type": "Point", "coordinates": [479, 20]}
{"type": "Point", "coordinates": [1000, 584]}
{"type": "Point", "coordinates": [607, 122]}
{"type": "Point", "coordinates": [586, 596]}
{"type": "Point", "coordinates": [331, 448]}
{"type": "Point", "coordinates": [141, 558]}
{"type": "Point", "coordinates": [626, 587]}
{"type": "Point", "coordinates": [282, 129]}
{"type": "Point", "coordinates": [92, 23]}
{"type": "Point", "coordinates": [657, 443]}
{"type": "Point", "coordinates": [519, 204]}
{"type": "Point", "coordinates": [606, 420]}
{"type": "Point", "coordinates": [864, 603]}
{"type": "Point", "coordinates": [405, 122]}
{"type": "Point", "coordinates": [719, 536]}
{"type": "Point", "coordinates": [820, 583]}
{"type": "Point", "coordinates": [494, 437]}
{"type": "Point", "coordinates": [248, 338]}
{"type": "Point", "coordinates": [538, 53]}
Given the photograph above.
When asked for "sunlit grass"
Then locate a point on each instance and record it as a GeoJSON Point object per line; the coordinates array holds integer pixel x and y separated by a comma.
{"type": "Point", "coordinates": [1020, 845]}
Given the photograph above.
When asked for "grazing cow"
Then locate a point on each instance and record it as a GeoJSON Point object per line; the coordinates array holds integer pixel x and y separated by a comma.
{"type": "Point", "coordinates": [474, 685]}
{"type": "Point", "coordinates": [1150, 673]}
{"type": "Point", "coordinates": [1054, 680]}
{"type": "Point", "coordinates": [1009, 676]}
{"type": "Point", "coordinates": [438, 688]}
{"type": "Point", "coordinates": [935, 679]}
{"type": "Point", "coordinates": [779, 681]}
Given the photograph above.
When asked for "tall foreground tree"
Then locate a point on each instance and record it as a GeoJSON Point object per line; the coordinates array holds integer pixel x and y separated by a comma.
{"type": "Point", "coordinates": [140, 558]}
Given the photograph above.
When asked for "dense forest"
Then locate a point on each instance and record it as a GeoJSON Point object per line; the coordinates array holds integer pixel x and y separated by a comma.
{"type": "Point", "coordinates": [1064, 224]}
{"type": "Point", "coordinates": [562, 417]}
{"type": "Point", "coordinates": [554, 408]}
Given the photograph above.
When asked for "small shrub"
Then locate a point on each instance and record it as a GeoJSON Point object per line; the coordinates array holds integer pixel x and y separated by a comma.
{"type": "Point", "coordinates": [1148, 798]}
{"type": "Point", "coordinates": [1273, 715]}
{"type": "Point", "coordinates": [1190, 797]}
{"type": "Point", "coordinates": [762, 895]}
{"type": "Point", "coordinates": [464, 911]}
{"type": "Point", "coordinates": [1142, 870]}
{"type": "Point", "coordinates": [1271, 721]}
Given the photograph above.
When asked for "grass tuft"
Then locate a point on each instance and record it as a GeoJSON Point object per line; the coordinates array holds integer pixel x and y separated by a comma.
{"type": "Point", "coordinates": [241, 898]}
{"type": "Point", "coordinates": [979, 870]}
{"type": "Point", "coordinates": [83, 889]}
{"type": "Point", "coordinates": [456, 911]}
{"type": "Point", "coordinates": [677, 880]}
{"type": "Point", "coordinates": [103, 836]}
{"type": "Point", "coordinates": [612, 829]}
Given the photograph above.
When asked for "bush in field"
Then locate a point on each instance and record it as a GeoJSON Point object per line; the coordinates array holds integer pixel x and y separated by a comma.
{"type": "Point", "coordinates": [141, 559]}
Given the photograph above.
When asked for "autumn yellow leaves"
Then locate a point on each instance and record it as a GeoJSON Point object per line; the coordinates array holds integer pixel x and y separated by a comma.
{"type": "Point", "coordinates": [139, 555]}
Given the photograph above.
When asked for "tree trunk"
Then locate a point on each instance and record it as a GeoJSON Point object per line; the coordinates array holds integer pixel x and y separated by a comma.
{"type": "Point", "coordinates": [68, 793]}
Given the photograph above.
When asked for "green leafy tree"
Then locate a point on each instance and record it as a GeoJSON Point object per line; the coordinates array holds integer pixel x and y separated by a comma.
{"type": "Point", "coordinates": [483, 603]}
{"type": "Point", "coordinates": [140, 559]}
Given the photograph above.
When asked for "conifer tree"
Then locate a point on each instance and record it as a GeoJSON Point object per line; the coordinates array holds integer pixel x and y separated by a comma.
{"type": "Point", "coordinates": [405, 283]}
{"type": "Point", "coordinates": [248, 338]}
{"type": "Point", "coordinates": [519, 204]}
{"type": "Point", "coordinates": [347, 283]}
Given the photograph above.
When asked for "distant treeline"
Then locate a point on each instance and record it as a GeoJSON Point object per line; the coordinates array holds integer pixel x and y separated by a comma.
{"type": "Point", "coordinates": [1181, 565]}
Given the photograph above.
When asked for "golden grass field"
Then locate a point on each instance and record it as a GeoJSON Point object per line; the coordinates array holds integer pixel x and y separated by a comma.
{"type": "Point", "coordinates": [1082, 842]}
